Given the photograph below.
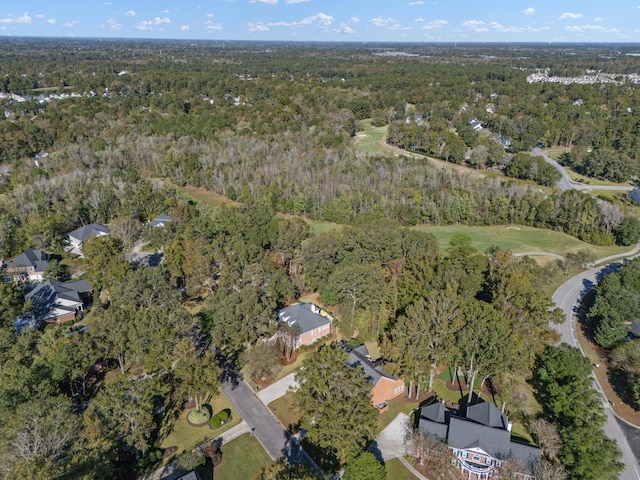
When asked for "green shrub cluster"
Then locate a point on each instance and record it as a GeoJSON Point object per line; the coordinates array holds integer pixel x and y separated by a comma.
{"type": "Point", "coordinates": [220, 417]}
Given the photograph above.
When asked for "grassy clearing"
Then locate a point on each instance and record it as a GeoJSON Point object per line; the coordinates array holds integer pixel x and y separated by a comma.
{"type": "Point", "coordinates": [186, 437]}
{"type": "Point", "coordinates": [207, 197]}
{"type": "Point", "coordinates": [286, 411]}
{"type": "Point", "coordinates": [242, 459]}
{"type": "Point", "coordinates": [396, 470]}
{"type": "Point", "coordinates": [518, 239]}
{"type": "Point", "coordinates": [371, 139]}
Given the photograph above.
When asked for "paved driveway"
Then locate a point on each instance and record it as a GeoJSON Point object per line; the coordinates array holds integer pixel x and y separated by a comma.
{"type": "Point", "coordinates": [390, 443]}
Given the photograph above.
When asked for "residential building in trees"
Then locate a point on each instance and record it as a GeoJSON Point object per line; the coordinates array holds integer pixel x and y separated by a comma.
{"type": "Point", "coordinates": [311, 322]}
{"type": "Point", "coordinates": [82, 234]}
{"type": "Point", "coordinates": [57, 302]}
{"type": "Point", "coordinates": [28, 266]}
{"type": "Point", "coordinates": [479, 442]}
{"type": "Point", "coordinates": [384, 386]}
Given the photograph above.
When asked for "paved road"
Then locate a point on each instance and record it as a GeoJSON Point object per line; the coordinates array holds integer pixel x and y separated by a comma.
{"type": "Point", "coordinates": [565, 182]}
{"type": "Point", "coordinates": [567, 297]}
{"type": "Point", "coordinates": [273, 437]}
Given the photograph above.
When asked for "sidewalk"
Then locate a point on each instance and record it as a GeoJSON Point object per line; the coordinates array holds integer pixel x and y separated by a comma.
{"type": "Point", "coordinates": [277, 389]}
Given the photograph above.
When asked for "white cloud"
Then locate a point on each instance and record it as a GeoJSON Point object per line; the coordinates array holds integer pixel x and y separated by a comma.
{"type": "Point", "coordinates": [210, 26]}
{"type": "Point", "coordinates": [419, 2]}
{"type": "Point", "coordinates": [435, 24]}
{"type": "Point", "coordinates": [70, 24]}
{"type": "Point", "coordinates": [257, 27]}
{"type": "Point", "coordinates": [475, 26]}
{"type": "Point", "coordinates": [600, 19]}
{"type": "Point", "coordinates": [319, 19]}
{"type": "Point", "coordinates": [354, 20]}
{"type": "Point", "coordinates": [570, 15]}
{"type": "Point", "coordinates": [295, 1]}
{"type": "Point", "coordinates": [419, 19]}
{"type": "Point", "coordinates": [112, 24]}
{"type": "Point", "coordinates": [165, 12]}
{"type": "Point", "coordinates": [210, 15]}
{"type": "Point", "coordinates": [40, 15]}
{"type": "Point", "coordinates": [147, 25]}
{"type": "Point", "coordinates": [184, 28]}
{"type": "Point", "coordinates": [108, 3]}
{"type": "Point", "coordinates": [584, 28]}
{"type": "Point", "coordinates": [502, 28]}
{"type": "Point", "coordinates": [382, 22]}
{"type": "Point", "coordinates": [529, 11]}
{"type": "Point", "coordinates": [25, 18]}
{"type": "Point", "coordinates": [51, 21]}
{"type": "Point", "coordinates": [131, 13]}
{"type": "Point", "coordinates": [398, 27]}
{"type": "Point", "coordinates": [270, 2]}
{"type": "Point", "coordinates": [346, 29]}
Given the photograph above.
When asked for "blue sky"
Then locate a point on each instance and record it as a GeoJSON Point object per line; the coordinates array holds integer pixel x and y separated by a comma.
{"type": "Point", "coordinates": [329, 20]}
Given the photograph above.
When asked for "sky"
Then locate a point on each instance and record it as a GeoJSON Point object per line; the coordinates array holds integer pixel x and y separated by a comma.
{"type": "Point", "coordinates": [329, 20]}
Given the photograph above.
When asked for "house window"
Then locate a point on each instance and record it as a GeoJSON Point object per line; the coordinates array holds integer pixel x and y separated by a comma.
{"type": "Point", "coordinates": [476, 458]}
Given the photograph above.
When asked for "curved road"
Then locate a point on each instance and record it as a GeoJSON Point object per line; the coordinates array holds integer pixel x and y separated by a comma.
{"type": "Point", "coordinates": [565, 182]}
{"type": "Point", "coordinates": [567, 297]}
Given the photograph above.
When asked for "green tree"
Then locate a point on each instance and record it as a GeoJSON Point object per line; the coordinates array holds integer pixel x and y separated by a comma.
{"type": "Point", "coordinates": [197, 372]}
{"type": "Point", "coordinates": [334, 400]}
{"type": "Point", "coordinates": [105, 262]}
{"type": "Point", "coordinates": [364, 467]}
{"type": "Point", "coordinates": [628, 232]}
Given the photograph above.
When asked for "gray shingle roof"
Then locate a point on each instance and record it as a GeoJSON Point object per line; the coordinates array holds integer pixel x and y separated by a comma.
{"type": "Point", "coordinates": [307, 316]}
{"type": "Point", "coordinates": [160, 220]}
{"type": "Point", "coordinates": [31, 258]}
{"type": "Point", "coordinates": [88, 231]}
{"type": "Point", "coordinates": [373, 371]}
{"type": "Point", "coordinates": [46, 295]}
{"type": "Point", "coordinates": [485, 427]}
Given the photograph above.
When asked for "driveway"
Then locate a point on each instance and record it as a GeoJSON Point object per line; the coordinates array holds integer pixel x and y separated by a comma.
{"type": "Point", "coordinates": [390, 443]}
{"type": "Point", "coordinates": [278, 389]}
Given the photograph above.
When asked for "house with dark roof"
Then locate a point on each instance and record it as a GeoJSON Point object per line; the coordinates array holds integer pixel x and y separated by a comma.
{"type": "Point", "coordinates": [57, 302]}
{"type": "Point", "coordinates": [312, 322]}
{"type": "Point", "coordinates": [480, 441]}
{"type": "Point", "coordinates": [476, 124]}
{"type": "Point", "coordinates": [30, 265]}
{"type": "Point", "coordinates": [82, 234]}
{"type": "Point", "coordinates": [160, 221]}
{"type": "Point", "coordinates": [384, 386]}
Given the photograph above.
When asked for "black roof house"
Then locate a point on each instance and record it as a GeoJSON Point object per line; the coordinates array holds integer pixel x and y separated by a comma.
{"type": "Point", "coordinates": [484, 428]}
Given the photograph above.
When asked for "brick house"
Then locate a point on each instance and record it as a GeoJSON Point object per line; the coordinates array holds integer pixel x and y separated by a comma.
{"type": "Point", "coordinates": [28, 266]}
{"type": "Point", "coordinates": [384, 386]}
{"type": "Point", "coordinates": [312, 322]}
{"type": "Point", "coordinates": [478, 442]}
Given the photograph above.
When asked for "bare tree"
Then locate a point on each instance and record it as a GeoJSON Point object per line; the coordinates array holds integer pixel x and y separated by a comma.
{"type": "Point", "coordinates": [547, 436]}
{"type": "Point", "coordinates": [545, 470]}
{"type": "Point", "coordinates": [428, 448]}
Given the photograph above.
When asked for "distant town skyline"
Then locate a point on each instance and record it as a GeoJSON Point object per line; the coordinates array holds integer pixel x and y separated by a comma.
{"type": "Point", "coordinates": [329, 20]}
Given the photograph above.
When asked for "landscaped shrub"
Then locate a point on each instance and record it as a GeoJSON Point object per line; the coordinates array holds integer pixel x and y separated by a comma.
{"type": "Point", "coordinates": [220, 418]}
{"type": "Point", "coordinates": [199, 416]}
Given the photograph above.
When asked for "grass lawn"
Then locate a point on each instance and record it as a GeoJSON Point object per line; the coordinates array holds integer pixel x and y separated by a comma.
{"type": "Point", "coordinates": [518, 239]}
{"type": "Point", "coordinates": [397, 471]}
{"type": "Point", "coordinates": [242, 459]}
{"type": "Point", "coordinates": [186, 437]}
{"type": "Point", "coordinates": [286, 410]}
{"type": "Point", "coordinates": [369, 140]}
{"type": "Point", "coordinates": [396, 406]}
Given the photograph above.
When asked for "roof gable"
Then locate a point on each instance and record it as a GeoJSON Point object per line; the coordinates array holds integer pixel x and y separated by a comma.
{"type": "Point", "coordinates": [487, 414]}
{"type": "Point", "coordinates": [306, 316]}
{"type": "Point", "coordinates": [92, 230]}
{"type": "Point", "coordinates": [30, 258]}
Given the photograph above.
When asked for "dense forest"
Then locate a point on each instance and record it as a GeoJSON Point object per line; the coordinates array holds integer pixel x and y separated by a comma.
{"type": "Point", "coordinates": [126, 126]}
